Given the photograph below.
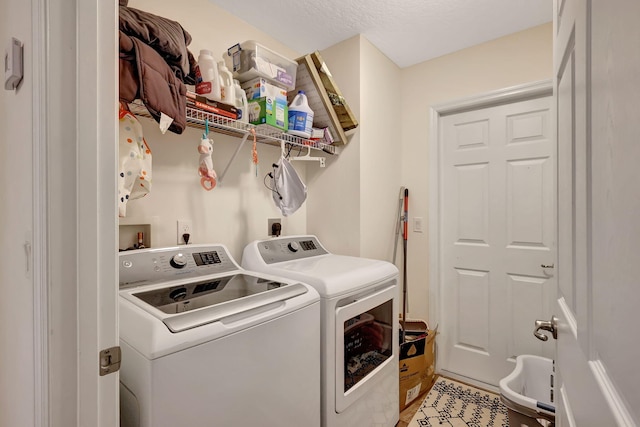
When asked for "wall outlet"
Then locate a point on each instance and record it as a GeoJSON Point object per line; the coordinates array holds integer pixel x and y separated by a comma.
{"type": "Point", "coordinates": [184, 227]}
{"type": "Point", "coordinates": [274, 227]}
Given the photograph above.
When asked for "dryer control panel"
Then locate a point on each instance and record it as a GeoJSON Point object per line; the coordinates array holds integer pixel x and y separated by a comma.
{"type": "Point", "coordinates": [290, 248]}
{"type": "Point", "coordinates": [145, 266]}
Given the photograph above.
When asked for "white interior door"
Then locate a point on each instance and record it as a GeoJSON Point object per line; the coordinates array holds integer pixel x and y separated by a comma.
{"type": "Point", "coordinates": [497, 214]}
{"type": "Point", "coordinates": [597, 76]}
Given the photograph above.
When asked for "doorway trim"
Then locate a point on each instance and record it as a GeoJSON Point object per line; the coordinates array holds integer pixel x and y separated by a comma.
{"type": "Point", "coordinates": [36, 248]}
{"type": "Point", "coordinates": [507, 95]}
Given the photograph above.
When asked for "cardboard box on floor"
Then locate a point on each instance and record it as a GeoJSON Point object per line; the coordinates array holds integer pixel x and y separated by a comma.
{"type": "Point", "coordinates": [417, 361]}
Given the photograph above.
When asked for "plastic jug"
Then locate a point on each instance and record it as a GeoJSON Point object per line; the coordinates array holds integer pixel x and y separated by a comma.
{"type": "Point", "coordinates": [227, 90]}
{"type": "Point", "coordinates": [300, 116]}
{"type": "Point", "coordinates": [207, 77]}
{"type": "Point", "coordinates": [241, 102]}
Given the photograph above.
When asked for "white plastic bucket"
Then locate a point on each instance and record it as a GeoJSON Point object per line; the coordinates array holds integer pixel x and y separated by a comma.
{"type": "Point", "coordinates": [527, 392]}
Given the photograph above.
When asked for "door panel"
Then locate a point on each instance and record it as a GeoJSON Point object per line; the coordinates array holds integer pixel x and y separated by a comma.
{"type": "Point", "coordinates": [528, 296]}
{"type": "Point", "coordinates": [497, 186]}
{"type": "Point", "coordinates": [473, 310]}
{"type": "Point", "coordinates": [473, 207]}
{"type": "Point", "coordinates": [528, 184]}
{"type": "Point", "coordinates": [615, 199]}
{"type": "Point", "coordinates": [597, 67]}
{"type": "Point", "coordinates": [527, 127]}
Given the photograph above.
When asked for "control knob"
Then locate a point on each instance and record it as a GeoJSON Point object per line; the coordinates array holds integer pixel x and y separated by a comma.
{"type": "Point", "coordinates": [293, 246]}
{"type": "Point", "coordinates": [178, 294]}
{"type": "Point", "coordinates": [179, 260]}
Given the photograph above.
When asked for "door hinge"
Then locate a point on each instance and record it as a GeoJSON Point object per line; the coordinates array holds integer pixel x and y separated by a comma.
{"type": "Point", "coordinates": [110, 360]}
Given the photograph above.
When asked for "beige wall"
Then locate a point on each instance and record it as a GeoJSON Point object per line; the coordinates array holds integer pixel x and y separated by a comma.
{"type": "Point", "coordinates": [334, 211]}
{"type": "Point", "coordinates": [17, 393]}
{"type": "Point", "coordinates": [236, 211]}
{"type": "Point", "coordinates": [355, 211]}
{"type": "Point", "coordinates": [516, 59]}
{"type": "Point", "coordinates": [380, 153]}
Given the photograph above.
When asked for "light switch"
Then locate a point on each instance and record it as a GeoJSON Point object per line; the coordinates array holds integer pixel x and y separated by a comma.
{"type": "Point", "coordinates": [417, 224]}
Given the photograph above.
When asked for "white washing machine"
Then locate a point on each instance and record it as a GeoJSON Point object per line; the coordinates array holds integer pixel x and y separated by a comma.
{"type": "Point", "coordinates": [207, 343]}
{"type": "Point", "coordinates": [359, 311]}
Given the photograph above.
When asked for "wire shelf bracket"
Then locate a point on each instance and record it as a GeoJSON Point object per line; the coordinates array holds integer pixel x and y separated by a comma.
{"type": "Point", "coordinates": [306, 157]}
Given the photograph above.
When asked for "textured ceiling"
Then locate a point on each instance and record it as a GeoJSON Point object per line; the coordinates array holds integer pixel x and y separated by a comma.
{"type": "Point", "coordinates": [406, 31]}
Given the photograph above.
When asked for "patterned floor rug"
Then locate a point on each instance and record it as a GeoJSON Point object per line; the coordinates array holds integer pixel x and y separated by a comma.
{"type": "Point", "coordinates": [450, 403]}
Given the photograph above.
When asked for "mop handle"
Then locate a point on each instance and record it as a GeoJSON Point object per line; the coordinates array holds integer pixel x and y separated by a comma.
{"type": "Point", "coordinates": [399, 219]}
{"type": "Point", "coordinates": [404, 262]}
{"type": "Point", "coordinates": [406, 213]}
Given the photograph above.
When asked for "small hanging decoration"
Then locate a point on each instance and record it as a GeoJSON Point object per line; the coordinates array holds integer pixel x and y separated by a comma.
{"type": "Point", "coordinates": [208, 176]}
{"type": "Point", "coordinates": [254, 151]}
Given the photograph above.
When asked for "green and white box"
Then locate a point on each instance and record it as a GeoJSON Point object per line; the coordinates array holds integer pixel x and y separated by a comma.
{"type": "Point", "coordinates": [270, 111]}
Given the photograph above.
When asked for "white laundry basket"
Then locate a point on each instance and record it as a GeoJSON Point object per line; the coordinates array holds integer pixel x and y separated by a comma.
{"type": "Point", "coordinates": [528, 392]}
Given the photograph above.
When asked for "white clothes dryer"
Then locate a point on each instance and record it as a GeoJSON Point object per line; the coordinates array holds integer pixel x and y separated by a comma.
{"type": "Point", "coordinates": [359, 312]}
{"type": "Point", "coordinates": [207, 343]}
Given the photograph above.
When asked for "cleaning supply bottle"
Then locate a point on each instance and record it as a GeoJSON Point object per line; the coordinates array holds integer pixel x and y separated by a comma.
{"type": "Point", "coordinates": [227, 89]}
{"type": "Point", "coordinates": [300, 116]}
{"type": "Point", "coordinates": [241, 102]}
{"type": "Point", "coordinates": [207, 77]}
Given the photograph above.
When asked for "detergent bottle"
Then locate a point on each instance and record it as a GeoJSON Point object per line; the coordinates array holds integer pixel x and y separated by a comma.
{"type": "Point", "coordinates": [300, 116]}
{"type": "Point", "coordinates": [227, 89]}
{"type": "Point", "coordinates": [241, 102]}
{"type": "Point", "coordinates": [207, 77]}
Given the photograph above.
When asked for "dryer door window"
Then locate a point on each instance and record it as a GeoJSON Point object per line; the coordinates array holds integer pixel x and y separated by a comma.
{"type": "Point", "coordinates": [364, 343]}
{"type": "Point", "coordinates": [367, 343]}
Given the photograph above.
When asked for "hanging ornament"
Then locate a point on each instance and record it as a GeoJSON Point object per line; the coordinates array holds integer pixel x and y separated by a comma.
{"type": "Point", "coordinates": [254, 152]}
{"type": "Point", "coordinates": [208, 177]}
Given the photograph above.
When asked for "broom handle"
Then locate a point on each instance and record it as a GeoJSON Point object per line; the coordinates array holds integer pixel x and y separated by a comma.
{"type": "Point", "coordinates": [405, 236]}
{"type": "Point", "coordinates": [398, 223]}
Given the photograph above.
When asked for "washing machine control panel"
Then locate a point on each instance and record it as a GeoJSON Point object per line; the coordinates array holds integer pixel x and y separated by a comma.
{"type": "Point", "coordinates": [147, 266]}
{"type": "Point", "coordinates": [290, 248]}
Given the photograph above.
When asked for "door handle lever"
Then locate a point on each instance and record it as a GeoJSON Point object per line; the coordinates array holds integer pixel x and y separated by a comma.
{"type": "Point", "coordinates": [546, 325]}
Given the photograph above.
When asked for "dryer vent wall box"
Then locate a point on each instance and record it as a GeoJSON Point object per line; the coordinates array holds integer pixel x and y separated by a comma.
{"type": "Point", "coordinates": [13, 64]}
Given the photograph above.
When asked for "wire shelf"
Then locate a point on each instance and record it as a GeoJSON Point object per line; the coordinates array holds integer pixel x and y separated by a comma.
{"type": "Point", "coordinates": [264, 133]}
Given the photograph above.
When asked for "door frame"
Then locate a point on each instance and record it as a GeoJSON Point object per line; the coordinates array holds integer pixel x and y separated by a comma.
{"type": "Point", "coordinates": [38, 251]}
{"type": "Point", "coordinates": [97, 208]}
{"type": "Point", "coordinates": [507, 95]}
{"type": "Point", "coordinates": [74, 255]}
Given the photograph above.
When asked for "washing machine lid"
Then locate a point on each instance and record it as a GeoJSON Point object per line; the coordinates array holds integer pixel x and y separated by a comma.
{"type": "Point", "coordinates": [154, 333]}
{"type": "Point", "coordinates": [303, 258]}
{"type": "Point", "coordinates": [183, 306]}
